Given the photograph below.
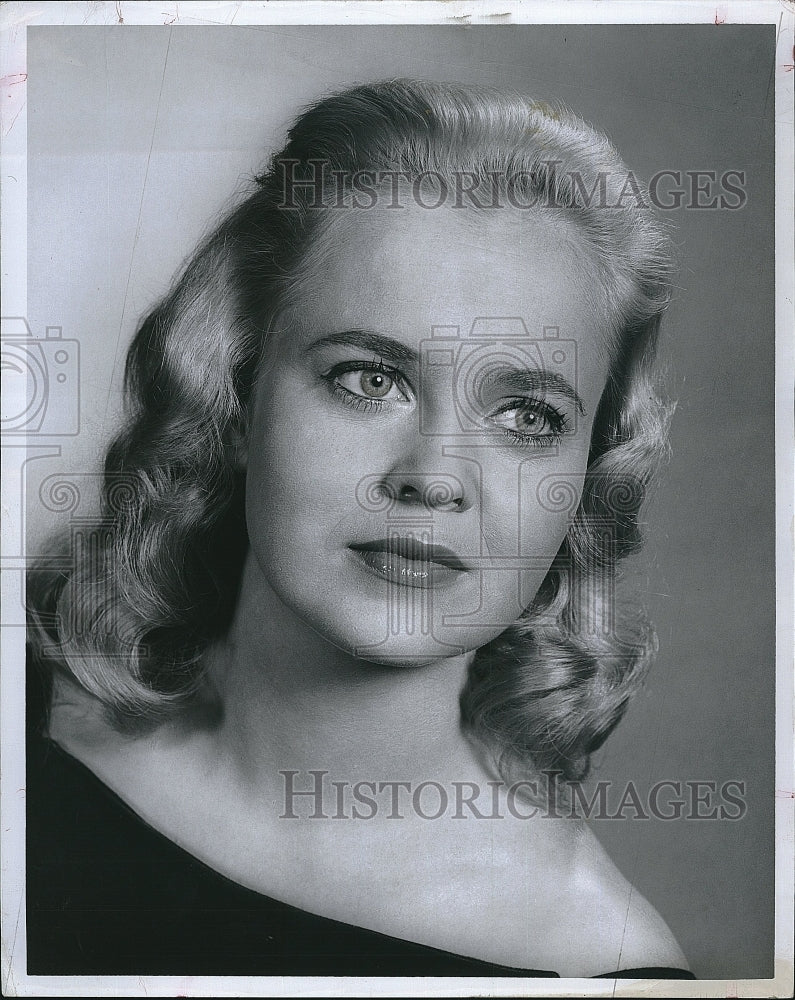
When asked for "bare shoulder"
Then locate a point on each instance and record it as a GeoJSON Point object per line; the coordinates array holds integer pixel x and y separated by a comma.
{"type": "Point", "coordinates": [558, 902]}
{"type": "Point", "coordinates": [621, 929]}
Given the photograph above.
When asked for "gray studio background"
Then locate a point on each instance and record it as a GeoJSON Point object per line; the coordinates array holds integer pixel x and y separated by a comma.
{"type": "Point", "coordinates": [138, 137]}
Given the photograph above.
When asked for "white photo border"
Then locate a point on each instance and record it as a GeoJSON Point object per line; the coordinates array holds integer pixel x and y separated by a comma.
{"type": "Point", "coordinates": [15, 18]}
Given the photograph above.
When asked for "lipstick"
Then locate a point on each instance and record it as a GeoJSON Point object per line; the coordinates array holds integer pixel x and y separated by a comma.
{"type": "Point", "coordinates": [409, 562]}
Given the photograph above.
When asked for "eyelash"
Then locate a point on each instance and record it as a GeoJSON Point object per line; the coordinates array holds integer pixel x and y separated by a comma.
{"type": "Point", "coordinates": [557, 419]}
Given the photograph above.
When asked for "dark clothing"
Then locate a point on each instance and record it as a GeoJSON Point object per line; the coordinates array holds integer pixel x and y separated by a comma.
{"type": "Point", "coordinates": [109, 895]}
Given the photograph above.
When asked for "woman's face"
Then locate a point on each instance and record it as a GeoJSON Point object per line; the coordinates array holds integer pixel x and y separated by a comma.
{"type": "Point", "coordinates": [436, 375]}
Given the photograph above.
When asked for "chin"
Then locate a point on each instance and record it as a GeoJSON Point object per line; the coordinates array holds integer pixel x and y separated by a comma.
{"type": "Point", "coordinates": [407, 651]}
{"type": "Point", "coordinates": [407, 661]}
{"type": "Point", "coordinates": [407, 635]}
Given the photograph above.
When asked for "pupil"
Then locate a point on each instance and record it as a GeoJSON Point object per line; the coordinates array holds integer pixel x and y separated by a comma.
{"type": "Point", "coordinates": [376, 384]}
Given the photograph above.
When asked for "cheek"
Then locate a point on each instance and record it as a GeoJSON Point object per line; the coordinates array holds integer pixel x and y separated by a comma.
{"type": "Point", "coordinates": [551, 503]}
{"type": "Point", "coordinates": [528, 509]}
{"type": "Point", "coordinates": [302, 469]}
{"type": "Point", "coordinates": [280, 478]}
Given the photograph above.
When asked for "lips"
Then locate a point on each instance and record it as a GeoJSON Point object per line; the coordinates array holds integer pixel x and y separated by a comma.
{"type": "Point", "coordinates": [409, 562]}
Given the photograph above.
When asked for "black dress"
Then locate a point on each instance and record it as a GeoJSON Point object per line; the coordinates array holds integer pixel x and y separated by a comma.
{"type": "Point", "coordinates": [109, 895]}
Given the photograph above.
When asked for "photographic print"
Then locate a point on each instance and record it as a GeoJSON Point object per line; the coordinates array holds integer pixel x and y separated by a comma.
{"type": "Point", "coordinates": [397, 442]}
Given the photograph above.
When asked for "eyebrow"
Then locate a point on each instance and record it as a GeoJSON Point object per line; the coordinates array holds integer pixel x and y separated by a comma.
{"type": "Point", "coordinates": [539, 380]}
{"type": "Point", "coordinates": [377, 343]}
{"type": "Point", "coordinates": [515, 379]}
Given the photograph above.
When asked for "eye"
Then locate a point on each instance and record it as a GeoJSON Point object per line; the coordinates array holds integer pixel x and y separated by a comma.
{"type": "Point", "coordinates": [531, 421]}
{"type": "Point", "coordinates": [526, 419]}
{"type": "Point", "coordinates": [372, 383]}
{"type": "Point", "coordinates": [367, 385]}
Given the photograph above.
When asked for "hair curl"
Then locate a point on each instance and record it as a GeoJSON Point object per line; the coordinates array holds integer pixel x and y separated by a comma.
{"type": "Point", "coordinates": [130, 620]}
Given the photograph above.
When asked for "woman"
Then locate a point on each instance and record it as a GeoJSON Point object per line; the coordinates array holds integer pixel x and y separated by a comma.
{"type": "Point", "coordinates": [389, 436]}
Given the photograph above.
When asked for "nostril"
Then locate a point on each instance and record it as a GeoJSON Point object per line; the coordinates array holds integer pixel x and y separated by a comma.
{"type": "Point", "coordinates": [434, 493]}
{"type": "Point", "coordinates": [444, 494]}
{"type": "Point", "coordinates": [409, 494]}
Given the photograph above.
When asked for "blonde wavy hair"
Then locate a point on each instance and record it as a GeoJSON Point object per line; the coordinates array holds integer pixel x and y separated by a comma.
{"type": "Point", "coordinates": [130, 620]}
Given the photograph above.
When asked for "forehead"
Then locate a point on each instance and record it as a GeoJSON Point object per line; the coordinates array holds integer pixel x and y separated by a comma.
{"type": "Point", "coordinates": [411, 268]}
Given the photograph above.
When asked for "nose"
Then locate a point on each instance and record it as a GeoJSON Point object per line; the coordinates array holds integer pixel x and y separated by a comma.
{"type": "Point", "coordinates": [442, 492]}
{"type": "Point", "coordinates": [433, 473]}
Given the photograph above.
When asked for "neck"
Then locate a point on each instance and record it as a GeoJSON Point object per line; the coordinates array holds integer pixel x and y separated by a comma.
{"type": "Point", "coordinates": [293, 701]}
